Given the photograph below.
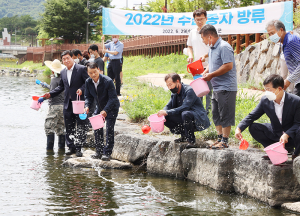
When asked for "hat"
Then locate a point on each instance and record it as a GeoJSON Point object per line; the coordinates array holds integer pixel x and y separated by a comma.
{"type": "Point", "coordinates": [55, 66]}
{"type": "Point", "coordinates": [107, 41]}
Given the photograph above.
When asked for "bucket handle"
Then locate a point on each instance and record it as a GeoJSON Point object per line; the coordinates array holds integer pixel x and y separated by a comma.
{"type": "Point", "coordinates": [77, 97]}
{"type": "Point", "coordinates": [188, 69]}
{"type": "Point", "coordinates": [103, 118]}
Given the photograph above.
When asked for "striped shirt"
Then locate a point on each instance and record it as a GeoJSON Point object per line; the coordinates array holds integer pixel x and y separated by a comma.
{"type": "Point", "coordinates": [291, 51]}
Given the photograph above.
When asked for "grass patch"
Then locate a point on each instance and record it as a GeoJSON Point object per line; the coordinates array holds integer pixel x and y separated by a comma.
{"type": "Point", "coordinates": [142, 99]}
{"type": "Point", "coordinates": [29, 65]}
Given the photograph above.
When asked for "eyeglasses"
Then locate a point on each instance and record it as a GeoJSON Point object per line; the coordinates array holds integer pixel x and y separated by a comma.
{"type": "Point", "coordinates": [200, 20]}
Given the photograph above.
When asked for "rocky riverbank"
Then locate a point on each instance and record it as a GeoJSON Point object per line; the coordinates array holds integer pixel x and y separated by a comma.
{"type": "Point", "coordinates": [230, 170]}
{"type": "Point", "coordinates": [20, 72]}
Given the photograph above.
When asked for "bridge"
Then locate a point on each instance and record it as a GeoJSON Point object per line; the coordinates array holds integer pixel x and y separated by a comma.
{"type": "Point", "coordinates": [17, 51]}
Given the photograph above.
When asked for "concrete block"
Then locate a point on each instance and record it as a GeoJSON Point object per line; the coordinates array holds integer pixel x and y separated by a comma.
{"type": "Point", "coordinates": [213, 168]}
{"type": "Point", "coordinates": [165, 159]}
{"type": "Point", "coordinates": [262, 180]}
{"type": "Point", "coordinates": [133, 148]}
{"type": "Point", "coordinates": [87, 162]}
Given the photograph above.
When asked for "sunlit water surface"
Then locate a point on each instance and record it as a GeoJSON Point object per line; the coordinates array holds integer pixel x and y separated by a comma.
{"type": "Point", "coordinates": [34, 183]}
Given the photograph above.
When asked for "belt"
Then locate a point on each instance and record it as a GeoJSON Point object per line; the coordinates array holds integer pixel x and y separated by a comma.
{"type": "Point", "coordinates": [115, 59]}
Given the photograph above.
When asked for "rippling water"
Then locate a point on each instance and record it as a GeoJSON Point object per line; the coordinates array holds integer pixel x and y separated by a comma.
{"type": "Point", "coordinates": [34, 183]}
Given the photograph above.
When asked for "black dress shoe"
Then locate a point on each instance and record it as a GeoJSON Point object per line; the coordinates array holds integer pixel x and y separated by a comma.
{"type": "Point", "coordinates": [98, 155]}
{"type": "Point", "coordinates": [78, 153]}
{"type": "Point", "coordinates": [265, 157]}
{"type": "Point", "coordinates": [71, 151]}
{"type": "Point", "coordinates": [180, 140]}
{"type": "Point", "coordinates": [105, 158]}
{"type": "Point", "coordinates": [191, 145]}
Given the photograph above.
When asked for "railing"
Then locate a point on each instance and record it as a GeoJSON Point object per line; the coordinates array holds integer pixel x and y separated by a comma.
{"type": "Point", "coordinates": [145, 45]}
{"type": "Point", "coordinates": [18, 48]}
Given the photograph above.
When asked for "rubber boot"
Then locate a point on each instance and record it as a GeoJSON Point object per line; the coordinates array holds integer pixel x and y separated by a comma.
{"type": "Point", "coordinates": [61, 142]}
{"type": "Point", "coordinates": [50, 142]}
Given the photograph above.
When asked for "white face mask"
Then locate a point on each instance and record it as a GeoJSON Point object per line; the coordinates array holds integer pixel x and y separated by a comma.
{"type": "Point", "coordinates": [115, 40]}
{"type": "Point", "coordinates": [55, 74]}
{"type": "Point", "coordinates": [270, 95]}
{"type": "Point", "coordinates": [93, 56]}
{"type": "Point", "coordinates": [76, 60]}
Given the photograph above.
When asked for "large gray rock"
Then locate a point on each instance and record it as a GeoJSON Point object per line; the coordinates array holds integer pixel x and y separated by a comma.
{"type": "Point", "coordinates": [252, 76]}
{"type": "Point", "coordinates": [261, 65]}
{"type": "Point", "coordinates": [274, 65]}
{"type": "Point", "coordinates": [250, 48]}
{"type": "Point", "coordinates": [245, 74]}
{"type": "Point", "coordinates": [292, 206]}
{"type": "Point", "coordinates": [165, 159]}
{"type": "Point", "coordinates": [209, 167]}
{"type": "Point", "coordinates": [270, 57]}
{"type": "Point", "coordinates": [264, 45]}
{"type": "Point", "coordinates": [276, 50]}
{"type": "Point", "coordinates": [133, 148]}
{"type": "Point", "coordinates": [296, 168]}
{"type": "Point", "coordinates": [260, 179]}
{"type": "Point", "coordinates": [87, 162]}
{"type": "Point", "coordinates": [244, 60]}
{"type": "Point", "coordinates": [253, 59]}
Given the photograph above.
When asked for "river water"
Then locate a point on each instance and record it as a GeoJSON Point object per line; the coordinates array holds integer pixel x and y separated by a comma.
{"type": "Point", "coordinates": [34, 183]}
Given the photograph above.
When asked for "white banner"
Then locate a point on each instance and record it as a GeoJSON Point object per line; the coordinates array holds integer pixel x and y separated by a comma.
{"type": "Point", "coordinates": [246, 20]}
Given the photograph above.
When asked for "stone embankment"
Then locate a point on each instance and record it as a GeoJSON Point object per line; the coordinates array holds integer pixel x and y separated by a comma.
{"type": "Point", "coordinates": [20, 72]}
{"type": "Point", "coordinates": [230, 170]}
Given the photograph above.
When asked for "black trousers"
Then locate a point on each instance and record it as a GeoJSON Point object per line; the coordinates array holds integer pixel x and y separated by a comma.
{"type": "Point", "coordinates": [113, 71]}
{"type": "Point", "coordinates": [110, 135]}
{"type": "Point", "coordinates": [76, 129]}
{"type": "Point", "coordinates": [182, 124]}
{"type": "Point", "coordinates": [263, 133]}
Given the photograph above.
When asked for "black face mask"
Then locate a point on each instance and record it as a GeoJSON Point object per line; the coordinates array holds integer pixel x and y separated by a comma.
{"type": "Point", "coordinates": [174, 90]}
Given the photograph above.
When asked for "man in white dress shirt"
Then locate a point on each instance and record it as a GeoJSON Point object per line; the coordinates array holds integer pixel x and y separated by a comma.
{"type": "Point", "coordinates": [283, 109]}
{"type": "Point", "coordinates": [197, 49]}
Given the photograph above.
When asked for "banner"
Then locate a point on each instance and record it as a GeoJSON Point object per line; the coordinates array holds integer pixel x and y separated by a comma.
{"type": "Point", "coordinates": [246, 20]}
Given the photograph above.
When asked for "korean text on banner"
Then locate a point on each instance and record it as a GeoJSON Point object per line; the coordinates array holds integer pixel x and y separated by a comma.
{"type": "Point", "coordinates": [245, 20]}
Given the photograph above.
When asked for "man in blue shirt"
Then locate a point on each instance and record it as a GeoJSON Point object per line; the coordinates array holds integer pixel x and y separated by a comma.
{"type": "Point", "coordinates": [114, 50]}
{"type": "Point", "coordinates": [291, 51]}
{"type": "Point", "coordinates": [222, 74]}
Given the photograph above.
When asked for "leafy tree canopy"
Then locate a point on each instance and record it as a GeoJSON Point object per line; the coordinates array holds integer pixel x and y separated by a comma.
{"type": "Point", "coordinates": [68, 18]}
{"type": "Point", "coordinates": [22, 24]}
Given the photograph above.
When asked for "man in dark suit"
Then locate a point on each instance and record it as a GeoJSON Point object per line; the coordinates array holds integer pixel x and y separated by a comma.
{"type": "Point", "coordinates": [101, 89]}
{"type": "Point", "coordinates": [73, 83]}
{"type": "Point", "coordinates": [283, 109]}
{"type": "Point", "coordinates": [184, 113]}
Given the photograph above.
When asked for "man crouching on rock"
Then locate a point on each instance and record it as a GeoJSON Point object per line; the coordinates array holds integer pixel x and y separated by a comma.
{"type": "Point", "coordinates": [101, 88]}
{"type": "Point", "coordinates": [283, 109]}
{"type": "Point", "coordinates": [184, 113]}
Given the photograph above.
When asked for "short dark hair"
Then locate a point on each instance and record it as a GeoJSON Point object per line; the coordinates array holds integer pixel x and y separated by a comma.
{"type": "Point", "coordinates": [199, 12]}
{"type": "Point", "coordinates": [208, 30]}
{"type": "Point", "coordinates": [86, 55]}
{"type": "Point", "coordinates": [93, 47]}
{"type": "Point", "coordinates": [276, 80]}
{"type": "Point", "coordinates": [76, 52]}
{"type": "Point", "coordinates": [92, 65]}
{"type": "Point", "coordinates": [174, 77]}
{"type": "Point", "coordinates": [67, 52]}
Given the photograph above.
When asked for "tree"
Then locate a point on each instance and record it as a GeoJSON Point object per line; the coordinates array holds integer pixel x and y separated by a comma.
{"type": "Point", "coordinates": [68, 18]}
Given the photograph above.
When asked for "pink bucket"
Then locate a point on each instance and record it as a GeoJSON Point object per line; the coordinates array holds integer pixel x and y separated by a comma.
{"type": "Point", "coordinates": [78, 106]}
{"type": "Point", "coordinates": [97, 121]}
{"type": "Point", "coordinates": [34, 104]}
{"type": "Point", "coordinates": [277, 153]}
{"type": "Point", "coordinates": [157, 123]}
{"type": "Point", "coordinates": [200, 87]}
